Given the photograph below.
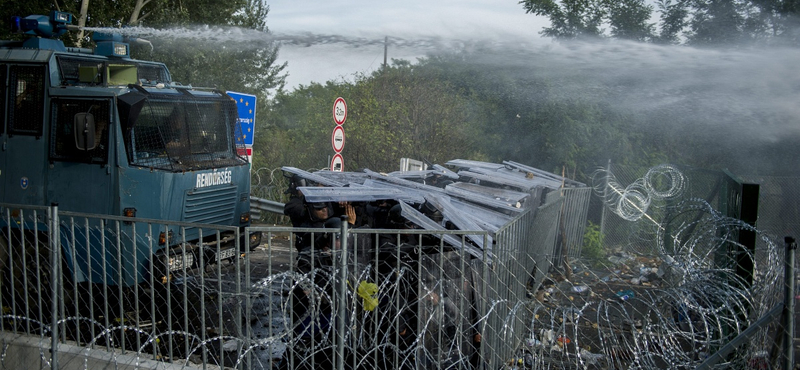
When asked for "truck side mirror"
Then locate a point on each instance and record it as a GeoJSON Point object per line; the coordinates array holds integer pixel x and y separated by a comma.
{"type": "Point", "coordinates": [84, 130]}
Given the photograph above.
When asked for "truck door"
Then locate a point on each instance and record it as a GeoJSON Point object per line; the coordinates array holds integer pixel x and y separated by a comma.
{"type": "Point", "coordinates": [24, 144]}
{"type": "Point", "coordinates": [80, 176]}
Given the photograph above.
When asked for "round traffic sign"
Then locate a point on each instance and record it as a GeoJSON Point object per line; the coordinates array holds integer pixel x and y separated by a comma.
{"type": "Point", "coordinates": [337, 139]}
{"type": "Point", "coordinates": [337, 163]}
{"type": "Point", "coordinates": [339, 111]}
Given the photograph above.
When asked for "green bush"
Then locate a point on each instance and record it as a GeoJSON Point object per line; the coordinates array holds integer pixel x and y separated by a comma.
{"type": "Point", "coordinates": [593, 250]}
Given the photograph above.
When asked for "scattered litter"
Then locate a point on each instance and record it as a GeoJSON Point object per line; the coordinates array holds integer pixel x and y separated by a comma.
{"type": "Point", "coordinates": [231, 345]}
{"type": "Point", "coordinates": [590, 358]}
{"type": "Point", "coordinates": [626, 294]}
{"type": "Point", "coordinates": [581, 289]}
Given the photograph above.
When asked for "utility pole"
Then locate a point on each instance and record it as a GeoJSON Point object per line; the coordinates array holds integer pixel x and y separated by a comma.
{"type": "Point", "coordinates": [385, 51]}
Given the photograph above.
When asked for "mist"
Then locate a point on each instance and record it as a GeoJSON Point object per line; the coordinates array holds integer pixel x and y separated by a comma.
{"type": "Point", "coordinates": [740, 102]}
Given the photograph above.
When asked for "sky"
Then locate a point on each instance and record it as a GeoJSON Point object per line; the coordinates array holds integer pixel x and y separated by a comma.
{"type": "Point", "coordinates": [363, 25]}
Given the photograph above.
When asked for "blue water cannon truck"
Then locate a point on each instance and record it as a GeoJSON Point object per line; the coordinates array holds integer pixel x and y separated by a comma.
{"type": "Point", "coordinates": [97, 132]}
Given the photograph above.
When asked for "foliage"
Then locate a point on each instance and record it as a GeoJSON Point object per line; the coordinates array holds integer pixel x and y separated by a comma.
{"type": "Point", "coordinates": [673, 20]}
{"type": "Point", "coordinates": [228, 65]}
{"type": "Point", "coordinates": [696, 22]}
{"type": "Point", "coordinates": [297, 126]}
{"type": "Point", "coordinates": [571, 19]}
{"type": "Point", "coordinates": [445, 108]}
{"type": "Point", "coordinates": [629, 20]}
{"type": "Point", "coordinates": [401, 111]}
{"type": "Point", "coordinates": [593, 244]}
{"type": "Point", "coordinates": [405, 111]}
{"type": "Point", "coordinates": [529, 118]}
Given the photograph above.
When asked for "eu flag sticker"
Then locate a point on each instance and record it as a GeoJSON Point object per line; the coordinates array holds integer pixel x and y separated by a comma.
{"type": "Point", "coordinates": [246, 106]}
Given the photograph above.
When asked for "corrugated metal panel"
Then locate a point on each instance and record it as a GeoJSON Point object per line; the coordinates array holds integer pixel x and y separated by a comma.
{"type": "Point", "coordinates": [210, 205]}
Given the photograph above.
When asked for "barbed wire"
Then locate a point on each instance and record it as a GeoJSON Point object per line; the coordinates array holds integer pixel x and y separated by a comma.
{"type": "Point", "coordinates": [671, 308]}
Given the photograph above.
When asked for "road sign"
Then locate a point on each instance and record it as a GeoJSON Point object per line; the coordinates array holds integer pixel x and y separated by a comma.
{"type": "Point", "coordinates": [246, 152]}
{"type": "Point", "coordinates": [337, 139]}
{"type": "Point", "coordinates": [337, 163]}
{"type": "Point", "coordinates": [246, 106]}
{"type": "Point", "coordinates": [339, 111]}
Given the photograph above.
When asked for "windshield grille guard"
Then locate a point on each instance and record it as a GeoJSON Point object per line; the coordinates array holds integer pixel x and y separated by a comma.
{"type": "Point", "coordinates": [184, 132]}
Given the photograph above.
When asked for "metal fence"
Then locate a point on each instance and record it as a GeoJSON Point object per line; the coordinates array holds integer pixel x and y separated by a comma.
{"type": "Point", "coordinates": [434, 304]}
{"type": "Point", "coordinates": [75, 287]}
{"type": "Point", "coordinates": [572, 222]}
{"type": "Point", "coordinates": [690, 226]}
{"type": "Point", "coordinates": [399, 298]}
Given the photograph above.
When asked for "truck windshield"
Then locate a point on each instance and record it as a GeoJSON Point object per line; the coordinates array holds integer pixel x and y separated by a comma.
{"type": "Point", "coordinates": [179, 133]}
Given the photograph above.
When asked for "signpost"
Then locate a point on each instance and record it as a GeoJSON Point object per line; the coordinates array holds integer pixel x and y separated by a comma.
{"type": "Point", "coordinates": [337, 137]}
{"type": "Point", "coordinates": [337, 163]}
{"type": "Point", "coordinates": [246, 106]}
{"type": "Point", "coordinates": [339, 111]}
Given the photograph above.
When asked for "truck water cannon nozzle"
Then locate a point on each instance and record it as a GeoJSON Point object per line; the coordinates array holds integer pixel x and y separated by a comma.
{"type": "Point", "coordinates": [43, 26]}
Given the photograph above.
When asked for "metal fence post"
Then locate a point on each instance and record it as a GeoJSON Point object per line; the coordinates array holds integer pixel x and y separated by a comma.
{"type": "Point", "coordinates": [55, 279]}
{"type": "Point", "coordinates": [342, 306]}
{"type": "Point", "coordinates": [603, 201]}
{"type": "Point", "coordinates": [788, 304]}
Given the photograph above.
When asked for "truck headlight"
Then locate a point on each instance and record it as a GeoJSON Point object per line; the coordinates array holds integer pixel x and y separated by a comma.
{"type": "Point", "coordinates": [165, 264]}
{"type": "Point", "coordinates": [180, 262]}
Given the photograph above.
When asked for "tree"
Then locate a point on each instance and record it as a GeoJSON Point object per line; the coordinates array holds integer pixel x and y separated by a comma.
{"type": "Point", "coordinates": [628, 20]}
{"type": "Point", "coordinates": [82, 19]}
{"type": "Point", "coordinates": [450, 107]}
{"type": "Point", "coordinates": [404, 110]}
{"type": "Point", "coordinates": [299, 124]}
{"type": "Point", "coordinates": [570, 19]}
{"type": "Point", "coordinates": [232, 64]}
{"type": "Point", "coordinates": [696, 22]}
{"type": "Point", "coordinates": [717, 22]}
{"type": "Point", "coordinates": [673, 21]}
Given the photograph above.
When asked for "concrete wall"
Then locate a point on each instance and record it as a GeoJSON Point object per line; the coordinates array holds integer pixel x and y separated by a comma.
{"type": "Point", "coordinates": [23, 352]}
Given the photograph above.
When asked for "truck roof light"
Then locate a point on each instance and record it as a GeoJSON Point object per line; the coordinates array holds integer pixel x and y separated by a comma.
{"type": "Point", "coordinates": [121, 49]}
{"type": "Point", "coordinates": [62, 17]}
